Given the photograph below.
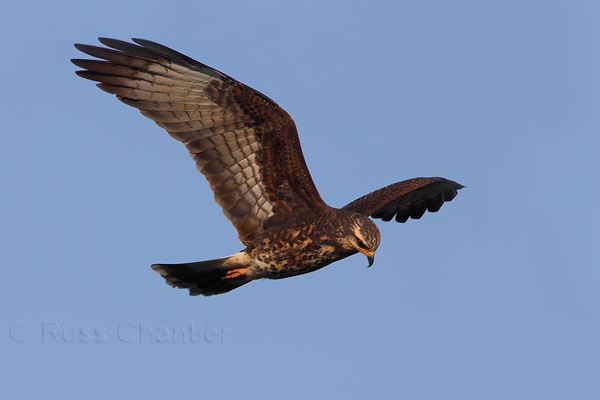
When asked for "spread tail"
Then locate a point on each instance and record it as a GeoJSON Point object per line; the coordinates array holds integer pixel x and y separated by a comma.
{"type": "Point", "coordinates": [208, 277]}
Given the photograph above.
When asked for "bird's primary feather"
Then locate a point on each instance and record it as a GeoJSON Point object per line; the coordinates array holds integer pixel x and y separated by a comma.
{"type": "Point", "coordinates": [410, 198]}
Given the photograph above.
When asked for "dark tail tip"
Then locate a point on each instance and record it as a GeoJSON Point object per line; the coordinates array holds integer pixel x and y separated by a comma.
{"type": "Point", "coordinates": [206, 277]}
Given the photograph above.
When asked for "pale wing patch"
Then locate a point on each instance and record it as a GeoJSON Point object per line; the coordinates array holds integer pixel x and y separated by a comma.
{"type": "Point", "coordinates": [219, 139]}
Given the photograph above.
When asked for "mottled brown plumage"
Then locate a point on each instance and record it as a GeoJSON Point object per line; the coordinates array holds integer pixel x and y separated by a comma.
{"type": "Point", "coordinates": [248, 149]}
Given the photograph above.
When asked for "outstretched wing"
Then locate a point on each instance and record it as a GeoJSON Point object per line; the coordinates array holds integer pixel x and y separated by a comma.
{"type": "Point", "coordinates": [242, 141]}
{"type": "Point", "coordinates": [406, 199]}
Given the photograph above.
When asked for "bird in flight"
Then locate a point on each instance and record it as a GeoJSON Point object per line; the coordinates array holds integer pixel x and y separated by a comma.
{"type": "Point", "coordinates": [248, 149]}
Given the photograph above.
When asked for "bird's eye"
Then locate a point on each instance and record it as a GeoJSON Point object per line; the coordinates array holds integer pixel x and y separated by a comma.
{"type": "Point", "coordinates": [361, 243]}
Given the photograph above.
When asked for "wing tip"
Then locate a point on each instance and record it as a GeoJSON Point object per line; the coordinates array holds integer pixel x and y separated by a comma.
{"type": "Point", "coordinates": [458, 186]}
{"type": "Point", "coordinates": [429, 197]}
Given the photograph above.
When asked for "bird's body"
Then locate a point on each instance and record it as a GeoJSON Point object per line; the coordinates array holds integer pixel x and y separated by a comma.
{"type": "Point", "coordinates": [248, 149]}
{"type": "Point", "coordinates": [281, 253]}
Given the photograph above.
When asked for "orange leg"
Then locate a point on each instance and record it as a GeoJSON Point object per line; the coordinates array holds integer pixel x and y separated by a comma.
{"type": "Point", "coordinates": [234, 273]}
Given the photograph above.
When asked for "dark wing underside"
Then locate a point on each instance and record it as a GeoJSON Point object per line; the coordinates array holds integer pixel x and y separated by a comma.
{"type": "Point", "coordinates": [406, 199]}
{"type": "Point", "coordinates": [242, 141]}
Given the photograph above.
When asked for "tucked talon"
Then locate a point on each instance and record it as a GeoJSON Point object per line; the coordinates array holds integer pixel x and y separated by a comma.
{"type": "Point", "coordinates": [234, 273]}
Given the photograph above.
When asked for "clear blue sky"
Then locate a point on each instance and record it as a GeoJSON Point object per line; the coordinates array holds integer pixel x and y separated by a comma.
{"type": "Point", "coordinates": [495, 297]}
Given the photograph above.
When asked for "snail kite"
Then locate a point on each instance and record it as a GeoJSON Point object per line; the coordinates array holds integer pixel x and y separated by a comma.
{"type": "Point", "coordinates": [248, 149]}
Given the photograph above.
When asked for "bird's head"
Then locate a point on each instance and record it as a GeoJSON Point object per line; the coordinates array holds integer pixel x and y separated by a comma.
{"type": "Point", "coordinates": [363, 236]}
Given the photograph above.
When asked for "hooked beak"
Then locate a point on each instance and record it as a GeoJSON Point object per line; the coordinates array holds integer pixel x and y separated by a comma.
{"type": "Point", "coordinates": [370, 256]}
